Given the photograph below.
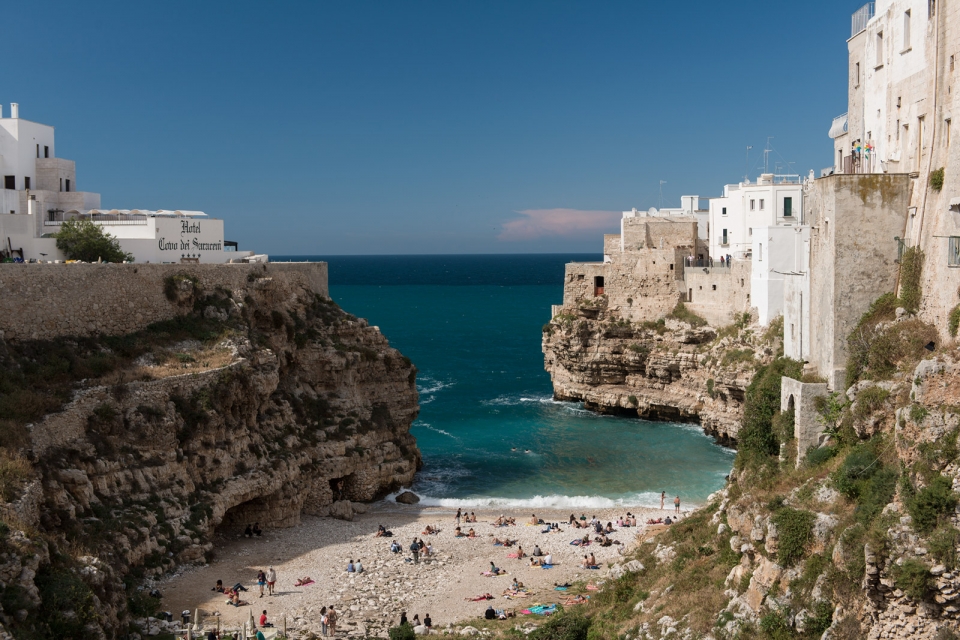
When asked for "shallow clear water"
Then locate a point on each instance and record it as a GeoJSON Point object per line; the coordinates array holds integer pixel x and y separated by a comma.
{"type": "Point", "coordinates": [489, 430]}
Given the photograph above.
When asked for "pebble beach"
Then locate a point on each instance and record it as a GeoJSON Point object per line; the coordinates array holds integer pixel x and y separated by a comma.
{"type": "Point", "coordinates": [369, 603]}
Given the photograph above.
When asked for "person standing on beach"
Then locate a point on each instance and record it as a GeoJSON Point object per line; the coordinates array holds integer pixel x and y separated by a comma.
{"type": "Point", "coordinates": [415, 550]}
{"type": "Point", "coordinates": [459, 515]}
{"type": "Point", "coordinates": [323, 621]}
{"type": "Point", "coordinates": [332, 621]}
{"type": "Point", "coordinates": [663, 496]}
{"type": "Point", "coordinates": [261, 580]}
{"type": "Point", "coordinates": [676, 503]}
{"type": "Point", "coordinates": [271, 580]}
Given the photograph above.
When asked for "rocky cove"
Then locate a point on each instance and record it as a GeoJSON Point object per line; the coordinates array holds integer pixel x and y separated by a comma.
{"type": "Point", "coordinates": [253, 397]}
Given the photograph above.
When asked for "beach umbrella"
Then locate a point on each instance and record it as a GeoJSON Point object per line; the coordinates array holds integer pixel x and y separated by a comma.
{"type": "Point", "coordinates": [250, 622]}
{"type": "Point", "coordinates": [196, 619]}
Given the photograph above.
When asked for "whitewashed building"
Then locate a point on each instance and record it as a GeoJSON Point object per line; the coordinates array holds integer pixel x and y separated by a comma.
{"type": "Point", "coordinates": [40, 192]}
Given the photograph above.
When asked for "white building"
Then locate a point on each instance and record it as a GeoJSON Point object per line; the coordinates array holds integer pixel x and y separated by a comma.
{"type": "Point", "coordinates": [734, 217]}
{"type": "Point", "coordinates": [40, 192]}
{"type": "Point", "coordinates": [778, 252]}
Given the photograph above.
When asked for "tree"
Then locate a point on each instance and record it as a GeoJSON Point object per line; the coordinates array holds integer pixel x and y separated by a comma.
{"type": "Point", "coordinates": [86, 241]}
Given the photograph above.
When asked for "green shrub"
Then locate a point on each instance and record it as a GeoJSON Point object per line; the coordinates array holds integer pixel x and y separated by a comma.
{"type": "Point", "coordinates": [756, 440]}
{"type": "Point", "coordinates": [86, 241]}
{"type": "Point", "coordinates": [918, 413]}
{"type": "Point", "coordinates": [913, 578]}
{"type": "Point", "coordinates": [936, 179]}
{"type": "Point", "coordinates": [681, 313]}
{"type": "Point", "coordinates": [633, 400]}
{"type": "Point", "coordinates": [911, 270]}
{"type": "Point", "coordinates": [562, 625]}
{"type": "Point", "coordinates": [782, 425]}
{"type": "Point", "coordinates": [736, 356]}
{"type": "Point", "coordinates": [869, 401]}
{"type": "Point", "coordinates": [943, 546]}
{"type": "Point", "coordinates": [859, 465]}
{"type": "Point", "coordinates": [402, 632]}
{"type": "Point", "coordinates": [820, 620]}
{"type": "Point", "coordinates": [816, 457]}
{"type": "Point", "coordinates": [795, 528]}
{"type": "Point", "coordinates": [932, 503]}
{"type": "Point", "coordinates": [14, 471]}
{"type": "Point", "coordinates": [954, 320]}
{"type": "Point", "coordinates": [776, 626]}
{"type": "Point", "coordinates": [710, 388]}
{"type": "Point", "coordinates": [639, 348]}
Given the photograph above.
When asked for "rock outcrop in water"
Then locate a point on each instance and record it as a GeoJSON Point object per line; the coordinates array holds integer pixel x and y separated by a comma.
{"type": "Point", "coordinates": [665, 370]}
{"type": "Point", "coordinates": [254, 405]}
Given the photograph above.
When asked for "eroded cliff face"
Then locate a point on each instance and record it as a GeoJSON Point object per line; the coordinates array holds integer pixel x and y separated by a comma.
{"type": "Point", "coordinates": [253, 406]}
{"type": "Point", "coordinates": [666, 370]}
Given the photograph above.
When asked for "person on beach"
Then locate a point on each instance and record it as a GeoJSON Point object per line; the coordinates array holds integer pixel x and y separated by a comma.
{"type": "Point", "coordinates": [573, 519]}
{"type": "Point", "coordinates": [495, 570]}
{"type": "Point", "coordinates": [429, 549]}
{"type": "Point", "coordinates": [257, 531]}
{"type": "Point", "coordinates": [323, 621]}
{"type": "Point", "coordinates": [259, 635]}
{"type": "Point", "coordinates": [676, 503]}
{"type": "Point", "coordinates": [457, 533]}
{"type": "Point", "coordinates": [350, 567]}
{"type": "Point", "coordinates": [381, 531]}
{"type": "Point", "coordinates": [395, 547]}
{"type": "Point", "coordinates": [535, 562]}
{"type": "Point", "coordinates": [332, 621]}
{"type": "Point", "coordinates": [427, 622]}
{"type": "Point", "coordinates": [261, 580]}
{"type": "Point", "coordinates": [271, 581]}
{"type": "Point", "coordinates": [547, 560]}
{"type": "Point", "coordinates": [429, 531]}
{"type": "Point", "coordinates": [663, 496]}
{"type": "Point", "coordinates": [219, 587]}
{"type": "Point", "coordinates": [263, 620]}
{"type": "Point", "coordinates": [248, 532]}
{"type": "Point", "coordinates": [416, 619]}
{"type": "Point", "coordinates": [490, 613]}
{"type": "Point", "coordinates": [473, 517]}
{"type": "Point", "coordinates": [520, 553]}
{"type": "Point", "coordinates": [536, 551]}
{"type": "Point", "coordinates": [415, 550]}
{"type": "Point", "coordinates": [403, 618]}
{"type": "Point", "coordinates": [358, 566]}
{"type": "Point", "coordinates": [609, 528]}
{"type": "Point", "coordinates": [593, 560]}
{"type": "Point", "coordinates": [458, 516]}
{"type": "Point", "coordinates": [586, 562]}
{"type": "Point", "coordinates": [304, 581]}
{"type": "Point", "coordinates": [533, 518]}
{"type": "Point", "coordinates": [471, 533]}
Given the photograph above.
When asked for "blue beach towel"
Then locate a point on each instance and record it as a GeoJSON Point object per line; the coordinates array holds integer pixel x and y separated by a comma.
{"type": "Point", "coordinates": [546, 566]}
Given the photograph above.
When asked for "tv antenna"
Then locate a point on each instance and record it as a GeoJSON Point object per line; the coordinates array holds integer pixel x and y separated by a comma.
{"type": "Point", "coordinates": [766, 156]}
{"type": "Point", "coordinates": [662, 182]}
{"type": "Point", "coordinates": [746, 166]}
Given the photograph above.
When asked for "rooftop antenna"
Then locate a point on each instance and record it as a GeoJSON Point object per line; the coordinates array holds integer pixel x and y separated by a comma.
{"type": "Point", "coordinates": [766, 156]}
{"type": "Point", "coordinates": [662, 182]}
{"type": "Point", "coordinates": [746, 166]}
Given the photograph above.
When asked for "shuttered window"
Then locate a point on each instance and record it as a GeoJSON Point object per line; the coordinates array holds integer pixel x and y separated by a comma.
{"type": "Point", "coordinates": [953, 253]}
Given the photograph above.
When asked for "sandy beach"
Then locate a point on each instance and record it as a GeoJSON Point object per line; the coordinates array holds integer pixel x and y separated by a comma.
{"type": "Point", "coordinates": [371, 602]}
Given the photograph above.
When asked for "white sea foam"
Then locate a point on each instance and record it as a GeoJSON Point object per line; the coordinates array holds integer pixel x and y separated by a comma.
{"type": "Point", "coordinates": [435, 429]}
{"type": "Point", "coordinates": [644, 499]}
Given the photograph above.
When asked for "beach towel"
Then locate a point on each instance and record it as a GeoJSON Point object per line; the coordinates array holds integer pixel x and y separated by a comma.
{"type": "Point", "coordinates": [560, 588]}
{"type": "Point", "coordinates": [546, 566]}
{"type": "Point", "coordinates": [512, 555]}
{"type": "Point", "coordinates": [594, 567]}
{"type": "Point", "coordinates": [498, 544]}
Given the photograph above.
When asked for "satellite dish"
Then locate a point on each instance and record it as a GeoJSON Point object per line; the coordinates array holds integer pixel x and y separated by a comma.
{"type": "Point", "coordinates": [652, 211]}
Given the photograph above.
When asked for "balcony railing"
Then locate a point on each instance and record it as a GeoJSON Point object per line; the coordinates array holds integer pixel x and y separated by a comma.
{"type": "Point", "coordinates": [57, 219]}
{"type": "Point", "coordinates": [861, 17]}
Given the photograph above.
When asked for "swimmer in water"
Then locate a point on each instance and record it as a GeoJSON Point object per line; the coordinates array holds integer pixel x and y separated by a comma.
{"type": "Point", "coordinates": [513, 449]}
{"type": "Point", "coordinates": [528, 451]}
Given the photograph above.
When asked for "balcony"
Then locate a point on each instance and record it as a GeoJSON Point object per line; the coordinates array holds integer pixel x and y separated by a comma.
{"type": "Point", "coordinates": [861, 17]}
{"type": "Point", "coordinates": [56, 218]}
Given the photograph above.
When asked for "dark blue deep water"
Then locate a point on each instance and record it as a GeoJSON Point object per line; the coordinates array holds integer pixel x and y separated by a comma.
{"type": "Point", "coordinates": [472, 325]}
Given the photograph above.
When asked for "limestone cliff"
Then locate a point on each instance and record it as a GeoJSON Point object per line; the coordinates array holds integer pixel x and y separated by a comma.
{"type": "Point", "coordinates": [674, 369]}
{"type": "Point", "coordinates": [254, 404]}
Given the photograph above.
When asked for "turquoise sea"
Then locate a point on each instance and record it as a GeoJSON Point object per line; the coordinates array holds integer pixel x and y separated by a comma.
{"type": "Point", "coordinates": [489, 430]}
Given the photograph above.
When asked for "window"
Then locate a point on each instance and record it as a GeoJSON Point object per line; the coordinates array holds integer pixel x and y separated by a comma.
{"type": "Point", "coordinates": [953, 254]}
{"type": "Point", "coordinates": [68, 184]}
{"type": "Point", "coordinates": [46, 152]}
{"type": "Point", "coordinates": [750, 232]}
{"type": "Point", "coordinates": [723, 239]}
{"type": "Point", "coordinates": [714, 287]}
{"type": "Point", "coordinates": [760, 254]}
{"type": "Point", "coordinates": [598, 286]}
{"type": "Point", "coordinates": [761, 204]}
{"type": "Point", "coordinates": [61, 184]}
{"type": "Point", "coordinates": [906, 30]}
{"type": "Point", "coordinates": [724, 211]}
{"type": "Point", "coordinates": [857, 77]}
{"type": "Point", "coordinates": [9, 182]}
{"type": "Point", "coordinates": [753, 205]}
{"type": "Point", "coordinates": [879, 48]}
{"type": "Point", "coordinates": [787, 207]}
{"type": "Point", "coordinates": [931, 8]}
{"type": "Point", "coordinates": [948, 131]}
{"type": "Point", "coordinates": [26, 182]}
{"type": "Point", "coordinates": [38, 150]}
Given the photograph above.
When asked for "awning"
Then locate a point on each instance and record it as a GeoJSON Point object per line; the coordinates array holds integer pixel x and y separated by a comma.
{"type": "Point", "coordinates": [955, 204]}
{"type": "Point", "coordinates": [839, 126]}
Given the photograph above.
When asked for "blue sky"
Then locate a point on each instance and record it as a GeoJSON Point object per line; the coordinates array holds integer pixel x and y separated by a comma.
{"type": "Point", "coordinates": [425, 127]}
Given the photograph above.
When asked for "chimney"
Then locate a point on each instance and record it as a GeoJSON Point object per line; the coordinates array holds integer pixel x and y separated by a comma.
{"type": "Point", "coordinates": [14, 110]}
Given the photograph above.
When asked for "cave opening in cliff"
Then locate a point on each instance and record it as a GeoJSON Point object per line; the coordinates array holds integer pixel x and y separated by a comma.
{"type": "Point", "coordinates": [343, 488]}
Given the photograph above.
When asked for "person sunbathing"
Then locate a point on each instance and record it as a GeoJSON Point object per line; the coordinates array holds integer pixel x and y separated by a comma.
{"type": "Point", "coordinates": [520, 554]}
{"type": "Point", "coordinates": [473, 517]}
{"type": "Point", "coordinates": [457, 533]}
{"type": "Point", "coordinates": [575, 600]}
{"type": "Point", "coordinates": [429, 531]}
{"type": "Point", "coordinates": [609, 528]}
{"type": "Point", "coordinates": [535, 562]}
{"type": "Point", "coordinates": [499, 522]}
{"type": "Point", "coordinates": [303, 581]}
{"type": "Point", "coordinates": [499, 542]}
{"type": "Point", "coordinates": [219, 587]}
{"type": "Point", "coordinates": [533, 519]}
{"type": "Point", "coordinates": [593, 560]}
{"type": "Point", "coordinates": [471, 533]}
{"type": "Point", "coordinates": [381, 531]}
{"type": "Point", "coordinates": [495, 570]}
{"type": "Point", "coordinates": [237, 602]}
